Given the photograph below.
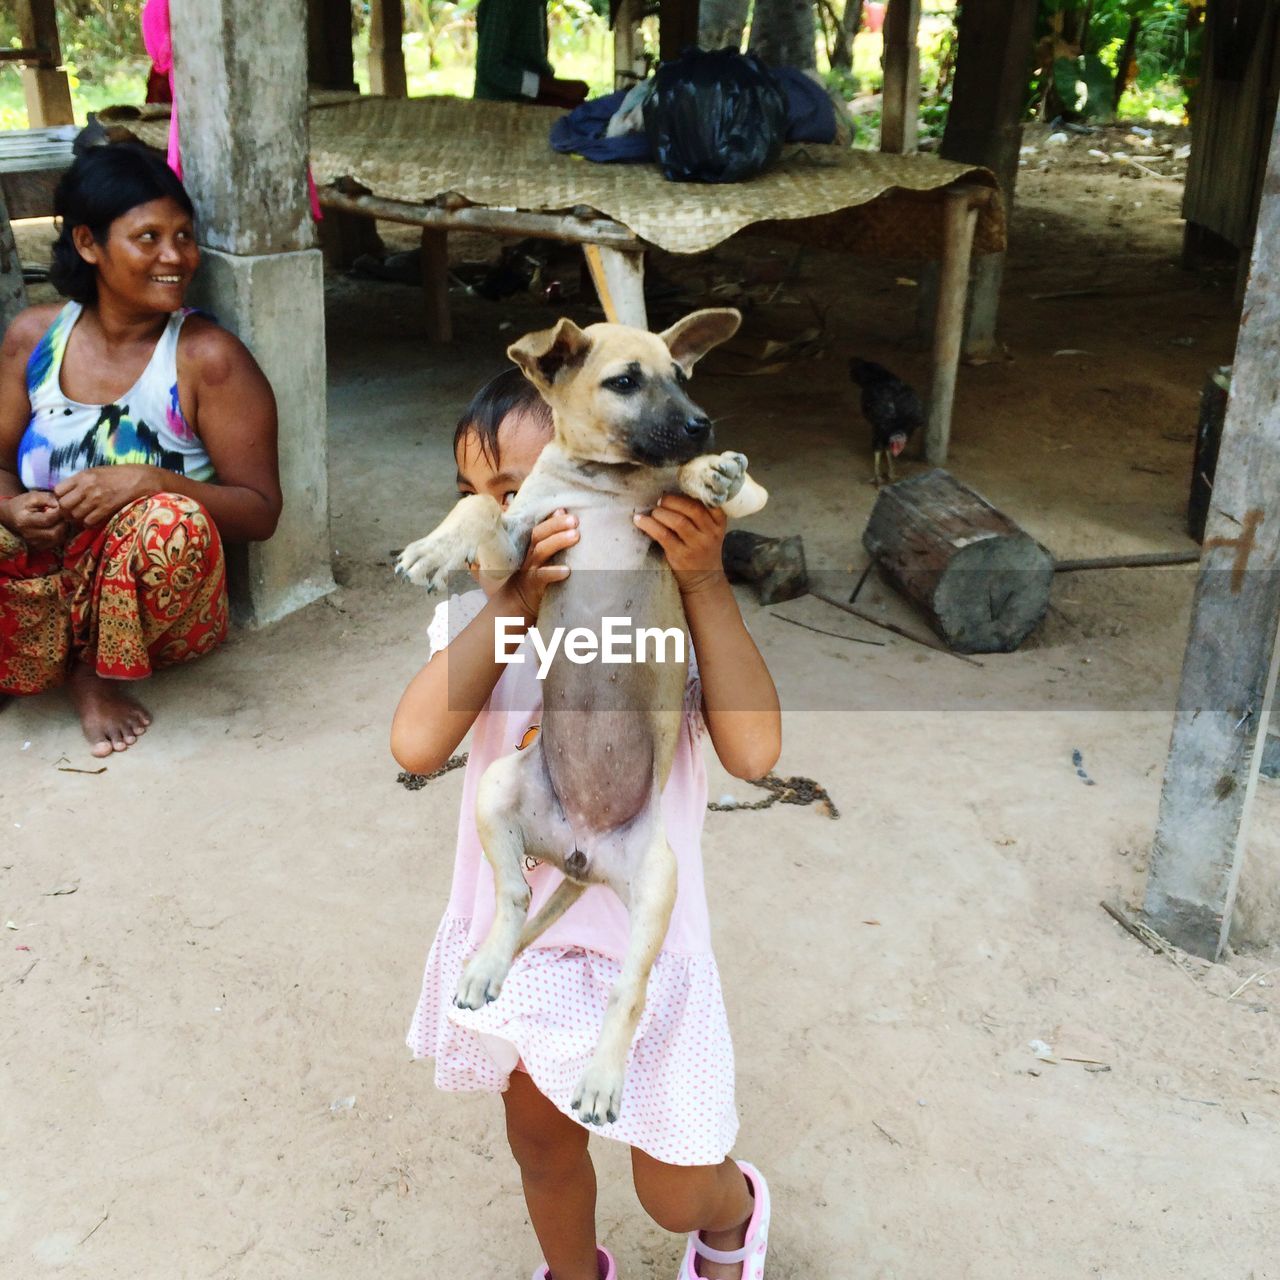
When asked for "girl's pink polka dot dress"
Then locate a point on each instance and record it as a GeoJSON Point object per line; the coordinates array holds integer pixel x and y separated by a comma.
{"type": "Point", "coordinates": [678, 1103]}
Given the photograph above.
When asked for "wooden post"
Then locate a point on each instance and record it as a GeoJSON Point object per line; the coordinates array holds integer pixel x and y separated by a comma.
{"type": "Point", "coordinates": [960, 217]}
{"type": "Point", "coordinates": [330, 61]}
{"type": "Point", "coordinates": [677, 26]}
{"type": "Point", "coordinates": [618, 276]}
{"type": "Point", "coordinates": [435, 284]}
{"type": "Point", "coordinates": [246, 172]}
{"type": "Point", "coordinates": [13, 292]}
{"type": "Point", "coordinates": [900, 114]}
{"type": "Point", "coordinates": [1229, 671]}
{"type": "Point", "coordinates": [47, 89]}
{"type": "Point", "coordinates": [984, 126]}
{"type": "Point", "coordinates": [628, 51]}
{"type": "Point", "coordinates": [386, 49]}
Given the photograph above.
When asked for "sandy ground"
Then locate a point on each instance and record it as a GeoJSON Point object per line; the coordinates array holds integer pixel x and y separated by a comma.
{"type": "Point", "coordinates": [254, 894]}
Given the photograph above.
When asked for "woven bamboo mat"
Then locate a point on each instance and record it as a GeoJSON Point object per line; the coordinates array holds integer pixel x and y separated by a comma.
{"type": "Point", "coordinates": [497, 154]}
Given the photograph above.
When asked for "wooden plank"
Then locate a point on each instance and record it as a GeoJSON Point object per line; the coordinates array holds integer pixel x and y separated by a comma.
{"type": "Point", "coordinates": [1229, 671]}
{"type": "Point", "coordinates": [386, 49]}
{"type": "Point", "coordinates": [900, 116]}
{"type": "Point", "coordinates": [30, 194]}
{"type": "Point", "coordinates": [46, 87]}
{"type": "Point", "coordinates": [619, 280]}
{"type": "Point", "coordinates": [960, 218]}
{"type": "Point", "coordinates": [515, 222]}
{"type": "Point", "coordinates": [13, 292]}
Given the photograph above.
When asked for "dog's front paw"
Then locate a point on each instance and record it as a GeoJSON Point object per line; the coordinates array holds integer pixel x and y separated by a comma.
{"type": "Point", "coordinates": [429, 561]}
{"type": "Point", "coordinates": [482, 980]}
{"type": "Point", "coordinates": [598, 1097]}
{"type": "Point", "coordinates": [713, 478]}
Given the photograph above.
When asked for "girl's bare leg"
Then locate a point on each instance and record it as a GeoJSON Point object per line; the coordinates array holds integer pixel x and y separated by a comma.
{"type": "Point", "coordinates": [713, 1199]}
{"type": "Point", "coordinates": [559, 1179]}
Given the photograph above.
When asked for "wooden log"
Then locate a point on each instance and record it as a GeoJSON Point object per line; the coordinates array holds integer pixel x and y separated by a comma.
{"type": "Point", "coordinates": [982, 582]}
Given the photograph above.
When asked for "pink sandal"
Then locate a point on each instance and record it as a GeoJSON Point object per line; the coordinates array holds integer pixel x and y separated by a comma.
{"type": "Point", "coordinates": [604, 1261]}
{"type": "Point", "coordinates": [752, 1253]}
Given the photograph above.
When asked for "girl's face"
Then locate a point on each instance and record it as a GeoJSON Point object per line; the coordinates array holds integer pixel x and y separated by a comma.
{"type": "Point", "coordinates": [521, 438]}
{"type": "Point", "coordinates": [148, 257]}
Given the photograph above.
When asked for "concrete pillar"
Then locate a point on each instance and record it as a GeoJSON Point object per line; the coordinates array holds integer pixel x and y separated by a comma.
{"type": "Point", "coordinates": [262, 276]}
{"type": "Point", "coordinates": [47, 90]}
{"type": "Point", "coordinates": [13, 292]}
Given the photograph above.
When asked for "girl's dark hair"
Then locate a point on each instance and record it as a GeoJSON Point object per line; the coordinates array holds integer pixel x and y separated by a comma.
{"type": "Point", "coordinates": [508, 393]}
{"type": "Point", "coordinates": [103, 184]}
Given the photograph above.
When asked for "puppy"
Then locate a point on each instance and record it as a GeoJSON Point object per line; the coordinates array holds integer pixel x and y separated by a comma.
{"type": "Point", "coordinates": [585, 795]}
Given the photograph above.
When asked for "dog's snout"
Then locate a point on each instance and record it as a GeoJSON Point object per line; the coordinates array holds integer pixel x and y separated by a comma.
{"type": "Point", "coordinates": [697, 427]}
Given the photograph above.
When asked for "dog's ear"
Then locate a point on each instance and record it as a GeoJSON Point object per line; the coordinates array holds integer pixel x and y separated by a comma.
{"type": "Point", "coordinates": [546, 354]}
{"type": "Point", "coordinates": [690, 339]}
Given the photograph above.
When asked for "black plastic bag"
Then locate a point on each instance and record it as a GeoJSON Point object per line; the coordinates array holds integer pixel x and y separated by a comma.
{"type": "Point", "coordinates": [715, 117]}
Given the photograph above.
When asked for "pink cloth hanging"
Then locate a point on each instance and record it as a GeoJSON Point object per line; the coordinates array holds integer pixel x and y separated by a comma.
{"type": "Point", "coordinates": [157, 38]}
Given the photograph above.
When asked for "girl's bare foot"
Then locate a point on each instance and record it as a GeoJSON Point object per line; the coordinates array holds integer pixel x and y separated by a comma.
{"type": "Point", "coordinates": [111, 720]}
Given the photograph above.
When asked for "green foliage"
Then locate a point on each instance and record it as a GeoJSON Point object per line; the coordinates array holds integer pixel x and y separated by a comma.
{"type": "Point", "coordinates": [1081, 47]}
{"type": "Point", "coordinates": [1085, 84]}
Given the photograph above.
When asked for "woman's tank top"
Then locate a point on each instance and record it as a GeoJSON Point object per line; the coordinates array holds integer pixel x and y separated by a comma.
{"type": "Point", "coordinates": [145, 425]}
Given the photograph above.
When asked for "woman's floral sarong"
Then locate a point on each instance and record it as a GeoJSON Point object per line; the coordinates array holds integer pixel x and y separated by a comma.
{"type": "Point", "coordinates": [148, 589]}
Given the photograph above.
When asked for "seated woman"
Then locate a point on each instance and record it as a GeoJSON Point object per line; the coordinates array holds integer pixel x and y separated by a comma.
{"type": "Point", "coordinates": [135, 437]}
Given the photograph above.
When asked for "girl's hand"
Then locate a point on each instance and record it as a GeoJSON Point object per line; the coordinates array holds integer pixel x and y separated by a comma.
{"type": "Point", "coordinates": [37, 518]}
{"type": "Point", "coordinates": [93, 496]}
{"type": "Point", "coordinates": [692, 536]}
{"type": "Point", "coordinates": [528, 584]}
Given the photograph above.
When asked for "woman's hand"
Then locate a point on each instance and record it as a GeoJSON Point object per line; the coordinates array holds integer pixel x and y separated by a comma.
{"type": "Point", "coordinates": [528, 584]}
{"type": "Point", "coordinates": [37, 518]}
{"type": "Point", "coordinates": [692, 537]}
{"type": "Point", "coordinates": [93, 496]}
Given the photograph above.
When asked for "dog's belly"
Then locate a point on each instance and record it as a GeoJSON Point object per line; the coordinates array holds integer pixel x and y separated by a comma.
{"type": "Point", "coordinates": [609, 728]}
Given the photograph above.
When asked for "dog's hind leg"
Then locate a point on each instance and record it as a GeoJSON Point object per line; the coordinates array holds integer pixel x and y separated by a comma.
{"type": "Point", "coordinates": [514, 817]}
{"type": "Point", "coordinates": [566, 893]}
{"type": "Point", "coordinates": [652, 895]}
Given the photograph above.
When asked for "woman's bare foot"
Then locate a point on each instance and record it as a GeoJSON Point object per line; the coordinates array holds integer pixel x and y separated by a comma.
{"type": "Point", "coordinates": [111, 720]}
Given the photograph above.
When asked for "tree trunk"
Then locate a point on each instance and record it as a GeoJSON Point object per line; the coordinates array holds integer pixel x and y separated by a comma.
{"type": "Point", "coordinates": [982, 582]}
{"type": "Point", "coordinates": [843, 30]}
{"type": "Point", "coordinates": [1124, 63]}
{"type": "Point", "coordinates": [784, 32]}
{"type": "Point", "coordinates": [721, 23]}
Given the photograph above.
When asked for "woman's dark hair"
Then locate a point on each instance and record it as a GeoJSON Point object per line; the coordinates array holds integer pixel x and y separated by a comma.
{"type": "Point", "coordinates": [102, 185]}
{"type": "Point", "coordinates": [508, 392]}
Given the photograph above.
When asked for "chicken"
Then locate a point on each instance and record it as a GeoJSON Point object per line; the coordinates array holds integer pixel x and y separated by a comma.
{"type": "Point", "coordinates": [891, 407]}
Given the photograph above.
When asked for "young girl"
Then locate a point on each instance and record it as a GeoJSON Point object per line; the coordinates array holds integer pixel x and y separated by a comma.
{"type": "Point", "coordinates": [533, 1042]}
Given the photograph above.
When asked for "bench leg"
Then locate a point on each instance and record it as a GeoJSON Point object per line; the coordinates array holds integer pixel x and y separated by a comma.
{"type": "Point", "coordinates": [953, 287]}
{"type": "Point", "coordinates": [435, 284]}
{"type": "Point", "coordinates": [618, 276]}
